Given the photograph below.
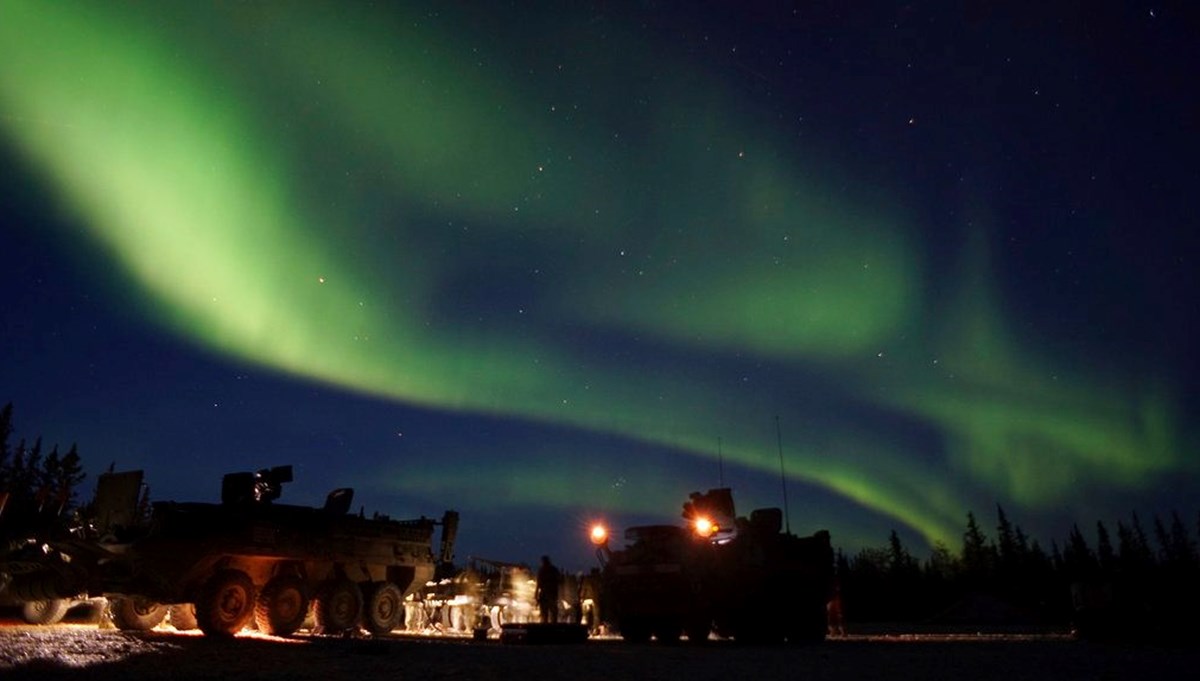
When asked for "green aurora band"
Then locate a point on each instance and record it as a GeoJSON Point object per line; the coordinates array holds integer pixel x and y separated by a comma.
{"type": "Point", "coordinates": [336, 195]}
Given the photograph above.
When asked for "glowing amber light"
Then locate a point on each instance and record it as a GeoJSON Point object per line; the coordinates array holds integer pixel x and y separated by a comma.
{"type": "Point", "coordinates": [705, 527]}
{"type": "Point", "coordinates": [599, 534]}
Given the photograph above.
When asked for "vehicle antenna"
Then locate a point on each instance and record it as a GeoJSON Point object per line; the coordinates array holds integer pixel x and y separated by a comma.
{"type": "Point", "coordinates": [782, 476]}
{"type": "Point", "coordinates": [720, 463]}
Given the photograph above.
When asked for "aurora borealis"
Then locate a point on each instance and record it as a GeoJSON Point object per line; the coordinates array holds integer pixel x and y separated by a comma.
{"type": "Point", "coordinates": [536, 263]}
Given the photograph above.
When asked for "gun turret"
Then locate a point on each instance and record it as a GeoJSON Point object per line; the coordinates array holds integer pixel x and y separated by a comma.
{"type": "Point", "coordinates": [262, 487]}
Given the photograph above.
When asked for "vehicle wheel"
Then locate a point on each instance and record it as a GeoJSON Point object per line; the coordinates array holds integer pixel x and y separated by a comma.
{"type": "Point", "coordinates": [136, 614]}
{"type": "Point", "coordinates": [810, 627]}
{"type": "Point", "coordinates": [226, 603]}
{"type": "Point", "coordinates": [383, 609]}
{"type": "Point", "coordinates": [339, 606]}
{"type": "Point", "coordinates": [758, 634]}
{"type": "Point", "coordinates": [282, 606]}
{"type": "Point", "coordinates": [45, 612]}
{"type": "Point", "coordinates": [182, 616]}
{"type": "Point", "coordinates": [635, 631]}
{"type": "Point", "coordinates": [698, 630]}
{"type": "Point", "coordinates": [668, 632]}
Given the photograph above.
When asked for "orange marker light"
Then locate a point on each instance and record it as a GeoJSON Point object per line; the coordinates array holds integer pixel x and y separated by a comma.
{"type": "Point", "coordinates": [705, 527]}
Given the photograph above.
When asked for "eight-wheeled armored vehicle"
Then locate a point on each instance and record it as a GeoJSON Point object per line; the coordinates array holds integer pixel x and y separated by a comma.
{"type": "Point", "coordinates": [218, 566]}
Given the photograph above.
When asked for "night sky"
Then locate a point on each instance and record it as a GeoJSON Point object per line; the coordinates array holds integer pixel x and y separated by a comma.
{"type": "Point", "coordinates": [549, 262]}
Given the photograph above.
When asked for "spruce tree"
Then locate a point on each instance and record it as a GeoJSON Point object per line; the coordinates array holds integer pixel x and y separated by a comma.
{"type": "Point", "coordinates": [976, 556]}
{"type": "Point", "coordinates": [900, 561]}
{"type": "Point", "coordinates": [1078, 560]}
{"type": "Point", "coordinates": [1133, 554]}
{"type": "Point", "coordinates": [1183, 550]}
{"type": "Point", "coordinates": [70, 476]}
{"type": "Point", "coordinates": [1056, 557]}
{"type": "Point", "coordinates": [1104, 548]}
{"type": "Point", "coordinates": [1164, 541]}
{"type": "Point", "coordinates": [1141, 542]}
{"type": "Point", "coordinates": [1006, 540]}
{"type": "Point", "coordinates": [942, 564]}
{"type": "Point", "coordinates": [6, 430]}
{"type": "Point", "coordinates": [17, 489]}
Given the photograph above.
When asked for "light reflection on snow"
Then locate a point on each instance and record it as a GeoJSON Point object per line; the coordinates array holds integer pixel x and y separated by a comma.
{"type": "Point", "coordinates": [78, 646]}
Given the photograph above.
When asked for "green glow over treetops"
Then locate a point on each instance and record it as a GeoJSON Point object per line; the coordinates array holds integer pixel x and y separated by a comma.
{"type": "Point", "coordinates": [348, 198]}
{"type": "Point", "coordinates": [1027, 430]}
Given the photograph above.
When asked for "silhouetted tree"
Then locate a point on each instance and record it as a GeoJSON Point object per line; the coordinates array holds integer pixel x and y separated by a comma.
{"type": "Point", "coordinates": [22, 471]}
{"type": "Point", "coordinates": [1163, 537]}
{"type": "Point", "coordinates": [1038, 555]}
{"type": "Point", "coordinates": [900, 561]}
{"type": "Point", "coordinates": [36, 487]}
{"type": "Point", "coordinates": [1006, 542]}
{"type": "Point", "coordinates": [1134, 555]}
{"type": "Point", "coordinates": [6, 429]}
{"type": "Point", "coordinates": [1182, 552]}
{"type": "Point", "coordinates": [1104, 548]}
{"type": "Point", "coordinates": [942, 565]}
{"type": "Point", "coordinates": [841, 563]}
{"type": "Point", "coordinates": [1056, 556]}
{"type": "Point", "coordinates": [941, 579]}
{"type": "Point", "coordinates": [60, 478]}
{"type": "Point", "coordinates": [1078, 560]}
{"type": "Point", "coordinates": [70, 474]}
{"type": "Point", "coordinates": [1135, 580]}
{"type": "Point", "coordinates": [1022, 542]}
{"type": "Point", "coordinates": [976, 553]}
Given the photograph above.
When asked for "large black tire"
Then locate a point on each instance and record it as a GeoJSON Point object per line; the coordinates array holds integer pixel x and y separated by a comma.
{"type": "Point", "coordinates": [45, 612]}
{"type": "Point", "coordinates": [635, 630]}
{"type": "Point", "coordinates": [698, 629]}
{"type": "Point", "coordinates": [226, 603]}
{"type": "Point", "coordinates": [339, 606]}
{"type": "Point", "coordinates": [758, 632]}
{"type": "Point", "coordinates": [182, 616]}
{"type": "Point", "coordinates": [282, 606]}
{"type": "Point", "coordinates": [810, 625]}
{"type": "Point", "coordinates": [667, 632]}
{"type": "Point", "coordinates": [135, 614]}
{"type": "Point", "coordinates": [383, 608]}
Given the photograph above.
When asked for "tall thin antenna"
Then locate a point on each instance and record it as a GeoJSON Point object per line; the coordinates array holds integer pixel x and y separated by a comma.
{"type": "Point", "coordinates": [782, 476]}
{"type": "Point", "coordinates": [720, 462]}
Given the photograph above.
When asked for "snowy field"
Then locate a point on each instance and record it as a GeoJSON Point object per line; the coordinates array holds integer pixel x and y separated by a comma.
{"type": "Point", "coordinates": [84, 652]}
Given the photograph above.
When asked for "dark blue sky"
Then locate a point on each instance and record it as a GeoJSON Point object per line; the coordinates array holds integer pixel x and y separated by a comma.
{"type": "Point", "coordinates": [533, 263]}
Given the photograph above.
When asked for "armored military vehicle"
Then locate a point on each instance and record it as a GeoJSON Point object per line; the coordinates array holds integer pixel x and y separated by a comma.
{"type": "Point", "coordinates": [503, 591]}
{"type": "Point", "coordinates": [485, 595]}
{"type": "Point", "coordinates": [656, 585]}
{"type": "Point", "coordinates": [221, 565]}
{"type": "Point", "coordinates": [743, 578]}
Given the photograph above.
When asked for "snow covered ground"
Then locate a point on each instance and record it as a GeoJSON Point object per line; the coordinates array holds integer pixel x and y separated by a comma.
{"type": "Point", "coordinates": [84, 652]}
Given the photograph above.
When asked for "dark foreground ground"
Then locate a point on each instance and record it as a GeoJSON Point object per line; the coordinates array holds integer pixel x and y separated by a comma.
{"type": "Point", "coordinates": [84, 652]}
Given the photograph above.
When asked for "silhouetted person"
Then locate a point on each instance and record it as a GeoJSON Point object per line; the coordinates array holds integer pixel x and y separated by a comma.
{"type": "Point", "coordinates": [833, 611]}
{"type": "Point", "coordinates": [547, 590]}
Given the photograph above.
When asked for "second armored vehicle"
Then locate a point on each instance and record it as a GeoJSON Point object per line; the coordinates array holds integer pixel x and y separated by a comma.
{"type": "Point", "coordinates": [742, 578]}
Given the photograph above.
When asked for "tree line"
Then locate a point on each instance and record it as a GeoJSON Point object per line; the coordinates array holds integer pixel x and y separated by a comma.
{"type": "Point", "coordinates": [1138, 577]}
{"type": "Point", "coordinates": [1136, 574]}
{"type": "Point", "coordinates": [38, 488]}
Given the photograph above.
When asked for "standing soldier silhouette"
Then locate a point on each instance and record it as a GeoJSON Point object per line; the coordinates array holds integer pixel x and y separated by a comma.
{"type": "Point", "coordinates": [547, 590]}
